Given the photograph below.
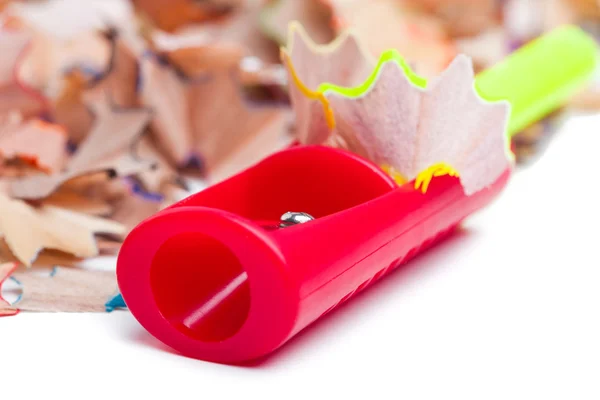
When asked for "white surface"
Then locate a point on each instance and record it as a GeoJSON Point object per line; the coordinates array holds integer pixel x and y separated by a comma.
{"type": "Point", "coordinates": [508, 309]}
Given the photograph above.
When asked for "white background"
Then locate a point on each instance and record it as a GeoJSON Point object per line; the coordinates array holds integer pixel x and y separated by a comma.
{"type": "Point", "coordinates": [509, 308]}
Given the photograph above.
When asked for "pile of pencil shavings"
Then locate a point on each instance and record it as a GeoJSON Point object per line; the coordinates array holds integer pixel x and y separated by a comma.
{"type": "Point", "coordinates": [97, 132]}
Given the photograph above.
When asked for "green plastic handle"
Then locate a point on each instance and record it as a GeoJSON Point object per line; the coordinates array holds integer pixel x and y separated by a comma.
{"type": "Point", "coordinates": [541, 76]}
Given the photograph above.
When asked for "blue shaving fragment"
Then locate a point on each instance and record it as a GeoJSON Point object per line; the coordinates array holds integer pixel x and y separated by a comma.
{"type": "Point", "coordinates": [18, 282]}
{"type": "Point", "coordinates": [115, 302]}
{"type": "Point", "coordinates": [162, 61]}
{"type": "Point", "coordinates": [46, 117]}
{"type": "Point", "coordinates": [194, 161]}
{"type": "Point", "coordinates": [138, 190]}
{"type": "Point", "coordinates": [514, 45]}
{"type": "Point", "coordinates": [88, 70]}
{"type": "Point", "coordinates": [138, 78]}
{"type": "Point", "coordinates": [139, 81]}
{"type": "Point", "coordinates": [147, 54]}
{"type": "Point", "coordinates": [71, 147]}
{"type": "Point", "coordinates": [157, 57]}
{"type": "Point", "coordinates": [20, 294]}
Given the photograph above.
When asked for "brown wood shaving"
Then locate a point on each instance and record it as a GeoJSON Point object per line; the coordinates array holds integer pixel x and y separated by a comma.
{"type": "Point", "coordinates": [62, 289]}
{"type": "Point", "coordinates": [27, 230]}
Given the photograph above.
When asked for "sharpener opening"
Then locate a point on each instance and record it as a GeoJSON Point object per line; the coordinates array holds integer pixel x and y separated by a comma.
{"type": "Point", "coordinates": [200, 287]}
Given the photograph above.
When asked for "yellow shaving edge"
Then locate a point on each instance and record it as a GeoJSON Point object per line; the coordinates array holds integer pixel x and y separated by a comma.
{"type": "Point", "coordinates": [396, 176]}
{"type": "Point", "coordinates": [311, 94]}
{"type": "Point", "coordinates": [319, 95]}
{"type": "Point", "coordinates": [330, 47]}
{"type": "Point", "coordinates": [424, 178]}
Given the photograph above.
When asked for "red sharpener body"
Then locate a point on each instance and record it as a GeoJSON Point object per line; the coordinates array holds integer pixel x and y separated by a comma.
{"type": "Point", "coordinates": [216, 278]}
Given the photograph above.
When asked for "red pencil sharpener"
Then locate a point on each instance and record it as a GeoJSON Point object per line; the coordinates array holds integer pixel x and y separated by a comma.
{"type": "Point", "coordinates": [216, 276]}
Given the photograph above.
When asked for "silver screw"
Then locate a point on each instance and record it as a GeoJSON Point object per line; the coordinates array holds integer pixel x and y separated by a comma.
{"type": "Point", "coordinates": [291, 218]}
